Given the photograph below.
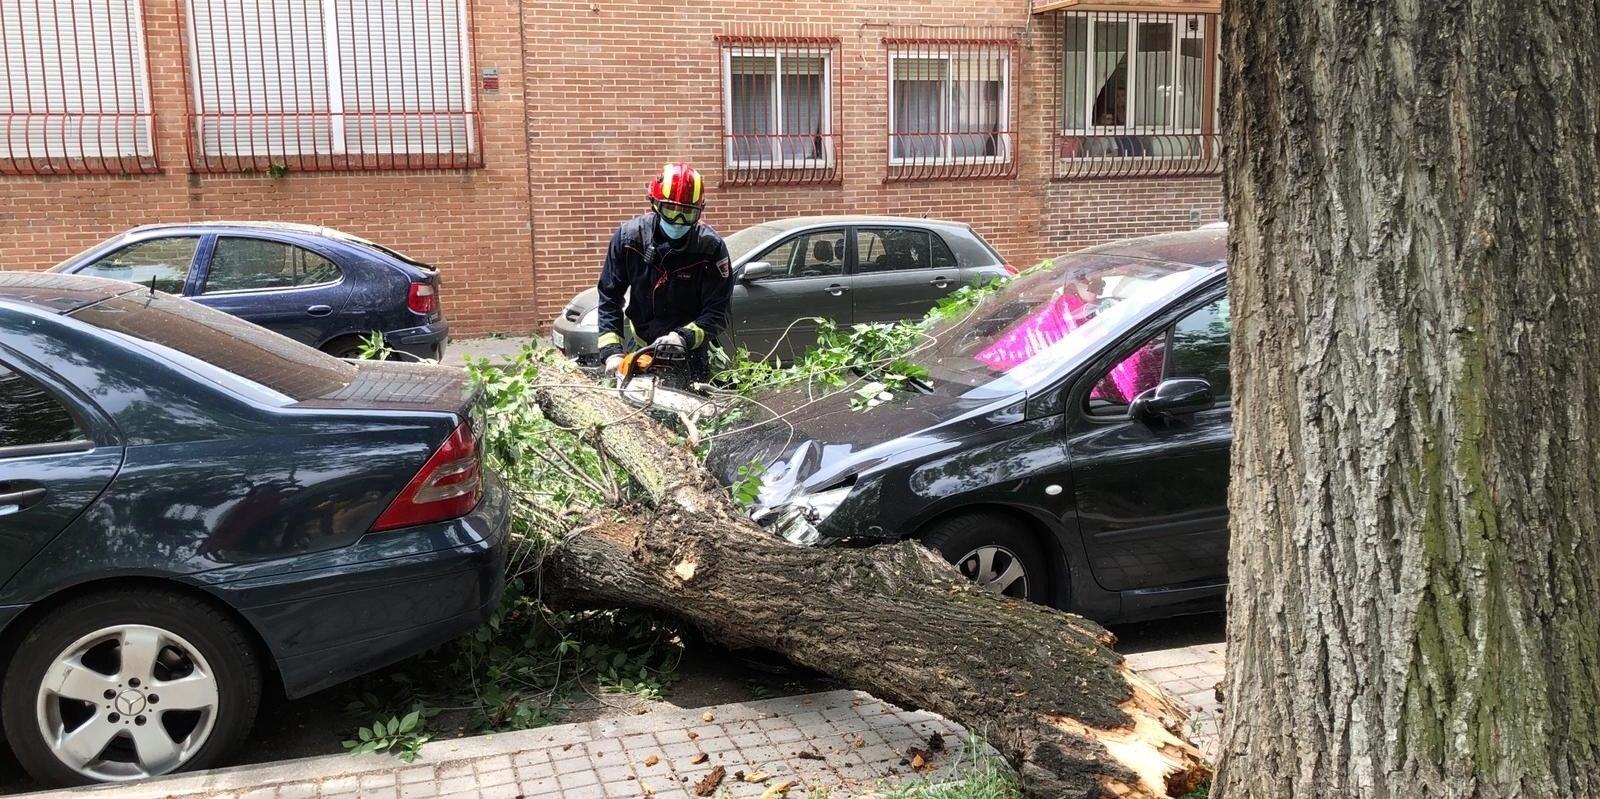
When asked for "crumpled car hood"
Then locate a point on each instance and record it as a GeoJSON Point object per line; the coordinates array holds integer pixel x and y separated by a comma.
{"type": "Point", "coordinates": [819, 442]}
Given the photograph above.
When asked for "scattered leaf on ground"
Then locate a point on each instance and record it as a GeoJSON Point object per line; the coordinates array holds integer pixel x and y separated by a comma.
{"type": "Point", "coordinates": [918, 762]}
{"type": "Point", "coordinates": [778, 790]}
{"type": "Point", "coordinates": [936, 743]}
{"type": "Point", "coordinates": [699, 757]}
{"type": "Point", "coordinates": [709, 716]}
{"type": "Point", "coordinates": [693, 735]}
{"type": "Point", "coordinates": [859, 742]}
{"type": "Point", "coordinates": [809, 756]}
{"type": "Point", "coordinates": [756, 777]}
{"type": "Point", "coordinates": [707, 786]}
{"type": "Point", "coordinates": [652, 760]}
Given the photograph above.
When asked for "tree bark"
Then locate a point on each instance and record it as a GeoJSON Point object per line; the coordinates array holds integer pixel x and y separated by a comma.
{"type": "Point", "coordinates": [1041, 686]}
{"type": "Point", "coordinates": [1415, 556]}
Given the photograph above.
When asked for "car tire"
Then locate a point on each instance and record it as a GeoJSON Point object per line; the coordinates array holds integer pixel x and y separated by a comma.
{"type": "Point", "coordinates": [348, 347]}
{"type": "Point", "coordinates": [990, 547]}
{"type": "Point", "coordinates": [199, 655]}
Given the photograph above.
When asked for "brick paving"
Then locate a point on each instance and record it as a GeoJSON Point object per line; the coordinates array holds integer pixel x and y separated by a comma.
{"type": "Point", "coordinates": [846, 743]}
{"type": "Point", "coordinates": [1191, 674]}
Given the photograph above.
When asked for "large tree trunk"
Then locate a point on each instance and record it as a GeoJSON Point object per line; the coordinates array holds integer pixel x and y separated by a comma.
{"type": "Point", "coordinates": [1042, 686]}
{"type": "Point", "coordinates": [1415, 555]}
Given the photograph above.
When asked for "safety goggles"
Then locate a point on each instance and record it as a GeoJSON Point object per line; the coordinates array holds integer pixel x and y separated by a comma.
{"type": "Point", "coordinates": [677, 213]}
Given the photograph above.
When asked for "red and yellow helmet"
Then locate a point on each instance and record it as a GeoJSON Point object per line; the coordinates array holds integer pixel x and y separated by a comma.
{"type": "Point", "coordinates": [678, 194]}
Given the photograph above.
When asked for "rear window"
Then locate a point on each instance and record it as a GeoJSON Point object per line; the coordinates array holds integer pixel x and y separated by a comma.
{"type": "Point", "coordinates": [225, 342]}
{"type": "Point", "coordinates": [971, 249]}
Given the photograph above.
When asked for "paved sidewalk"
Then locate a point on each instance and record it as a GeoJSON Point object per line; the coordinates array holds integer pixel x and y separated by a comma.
{"type": "Point", "coordinates": [495, 349]}
{"type": "Point", "coordinates": [1191, 674]}
{"type": "Point", "coordinates": [846, 743]}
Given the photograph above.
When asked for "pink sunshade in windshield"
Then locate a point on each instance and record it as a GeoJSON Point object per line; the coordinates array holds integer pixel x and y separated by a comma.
{"type": "Point", "coordinates": [1048, 325]}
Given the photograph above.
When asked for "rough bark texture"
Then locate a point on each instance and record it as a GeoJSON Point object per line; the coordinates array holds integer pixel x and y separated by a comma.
{"type": "Point", "coordinates": [895, 621]}
{"type": "Point", "coordinates": [1415, 555]}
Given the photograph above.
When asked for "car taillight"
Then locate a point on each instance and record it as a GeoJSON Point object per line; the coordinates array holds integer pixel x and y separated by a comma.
{"type": "Point", "coordinates": [1010, 270]}
{"type": "Point", "coordinates": [448, 486]}
{"type": "Point", "coordinates": [423, 298]}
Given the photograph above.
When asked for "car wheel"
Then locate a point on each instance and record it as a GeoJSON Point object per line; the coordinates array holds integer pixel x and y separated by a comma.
{"type": "Point", "coordinates": [127, 685]}
{"type": "Point", "coordinates": [346, 347]}
{"type": "Point", "coordinates": [995, 552]}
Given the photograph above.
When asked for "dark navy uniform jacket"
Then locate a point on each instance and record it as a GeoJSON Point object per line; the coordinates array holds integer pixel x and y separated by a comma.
{"type": "Point", "coordinates": [669, 284]}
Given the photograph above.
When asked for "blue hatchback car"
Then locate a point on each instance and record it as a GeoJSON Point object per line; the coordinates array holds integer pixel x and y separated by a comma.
{"type": "Point", "coordinates": [194, 510]}
{"type": "Point", "coordinates": [315, 285]}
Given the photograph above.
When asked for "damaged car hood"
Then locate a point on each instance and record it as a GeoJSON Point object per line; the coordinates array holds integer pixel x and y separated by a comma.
{"type": "Point", "coordinates": [805, 442]}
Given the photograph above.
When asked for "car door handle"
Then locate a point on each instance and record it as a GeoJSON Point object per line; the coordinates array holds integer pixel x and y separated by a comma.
{"type": "Point", "coordinates": [836, 289]}
{"type": "Point", "coordinates": [320, 310]}
{"type": "Point", "coordinates": [939, 282]}
{"type": "Point", "coordinates": [17, 500]}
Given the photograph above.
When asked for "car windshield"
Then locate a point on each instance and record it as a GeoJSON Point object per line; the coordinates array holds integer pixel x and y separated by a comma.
{"type": "Point", "coordinates": [228, 343]}
{"type": "Point", "coordinates": [740, 244]}
{"type": "Point", "coordinates": [1049, 317]}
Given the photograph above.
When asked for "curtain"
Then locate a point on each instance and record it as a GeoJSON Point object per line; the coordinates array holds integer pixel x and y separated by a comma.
{"type": "Point", "coordinates": [802, 115]}
{"type": "Point", "coordinates": [977, 94]}
{"type": "Point", "coordinates": [919, 107]}
{"type": "Point", "coordinates": [750, 92]}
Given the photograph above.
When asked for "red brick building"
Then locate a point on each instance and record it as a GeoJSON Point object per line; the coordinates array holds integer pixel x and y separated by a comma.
{"type": "Point", "coordinates": [503, 139]}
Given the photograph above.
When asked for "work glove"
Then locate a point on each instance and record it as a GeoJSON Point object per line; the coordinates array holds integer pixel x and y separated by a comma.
{"type": "Point", "coordinates": [611, 355]}
{"type": "Point", "coordinates": [673, 343]}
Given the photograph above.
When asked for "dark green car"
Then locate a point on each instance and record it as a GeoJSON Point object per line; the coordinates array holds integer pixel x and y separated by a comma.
{"type": "Point", "coordinates": [849, 269]}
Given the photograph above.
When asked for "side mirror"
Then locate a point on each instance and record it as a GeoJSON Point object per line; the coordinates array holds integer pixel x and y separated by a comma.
{"type": "Point", "coordinates": [1173, 398]}
{"type": "Point", "coordinates": [755, 271]}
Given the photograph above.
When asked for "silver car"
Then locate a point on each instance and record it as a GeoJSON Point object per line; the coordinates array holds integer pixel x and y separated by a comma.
{"type": "Point", "coordinates": [846, 268]}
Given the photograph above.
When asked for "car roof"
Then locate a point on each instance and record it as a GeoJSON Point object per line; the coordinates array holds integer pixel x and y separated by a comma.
{"type": "Point", "coordinates": [797, 222]}
{"type": "Point", "coordinates": [58, 293]}
{"type": "Point", "coordinates": [293, 228]}
{"type": "Point", "coordinates": [1206, 247]}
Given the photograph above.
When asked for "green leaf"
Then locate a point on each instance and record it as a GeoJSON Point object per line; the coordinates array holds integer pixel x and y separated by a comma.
{"type": "Point", "coordinates": [409, 723]}
{"type": "Point", "coordinates": [377, 730]}
{"type": "Point", "coordinates": [394, 727]}
{"type": "Point", "coordinates": [365, 734]}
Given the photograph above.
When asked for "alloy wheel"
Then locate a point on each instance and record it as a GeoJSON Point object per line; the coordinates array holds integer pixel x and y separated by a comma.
{"type": "Point", "coordinates": [127, 702]}
{"type": "Point", "coordinates": [997, 569]}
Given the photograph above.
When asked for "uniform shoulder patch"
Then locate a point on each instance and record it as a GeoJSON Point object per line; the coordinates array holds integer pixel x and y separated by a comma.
{"type": "Point", "coordinates": [723, 266]}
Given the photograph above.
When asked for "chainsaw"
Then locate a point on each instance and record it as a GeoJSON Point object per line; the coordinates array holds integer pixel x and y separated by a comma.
{"type": "Point", "coordinates": [658, 378]}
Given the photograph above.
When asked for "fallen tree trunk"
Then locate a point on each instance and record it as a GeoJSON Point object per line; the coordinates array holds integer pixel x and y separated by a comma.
{"type": "Point", "coordinates": [1043, 687]}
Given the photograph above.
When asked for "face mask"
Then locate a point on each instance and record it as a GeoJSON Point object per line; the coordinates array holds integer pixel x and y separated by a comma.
{"type": "Point", "coordinates": [674, 232]}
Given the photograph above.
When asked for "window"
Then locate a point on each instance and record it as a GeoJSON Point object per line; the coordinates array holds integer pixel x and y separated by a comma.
{"type": "Point", "coordinates": [950, 109]}
{"type": "Point", "coordinates": [31, 416]}
{"type": "Point", "coordinates": [1200, 348]}
{"type": "Point", "coordinates": [76, 98]}
{"type": "Point", "coordinates": [332, 84]}
{"type": "Point", "coordinates": [1134, 375]}
{"type": "Point", "coordinates": [222, 341]}
{"type": "Point", "coordinates": [259, 265]}
{"type": "Point", "coordinates": [889, 249]}
{"type": "Point", "coordinates": [161, 263]}
{"type": "Point", "coordinates": [1195, 347]}
{"type": "Point", "coordinates": [817, 254]}
{"type": "Point", "coordinates": [943, 258]}
{"type": "Point", "coordinates": [1137, 86]}
{"type": "Point", "coordinates": [778, 110]}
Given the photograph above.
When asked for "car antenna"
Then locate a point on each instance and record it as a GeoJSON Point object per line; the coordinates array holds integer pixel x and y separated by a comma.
{"type": "Point", "coordinates": [152, 285]}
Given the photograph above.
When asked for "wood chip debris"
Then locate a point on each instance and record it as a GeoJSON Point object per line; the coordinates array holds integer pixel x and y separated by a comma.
{"type": "Point", "coordinates": [709, 716]}
{"type": "Point", "coordinates": [707, 786]}
{"type": "Point", "coordinates": [778, 790]}
{"type": "Point", "coordinates": [809, 756]}
{"type": "Point", "coordinates": [754, 777]}
{"type": "Point", "coordinates": [693, 735]}
{"type": "Point", "coordinates": [699, 757]}
{"type": "Point", "coordinates": [652, 760]}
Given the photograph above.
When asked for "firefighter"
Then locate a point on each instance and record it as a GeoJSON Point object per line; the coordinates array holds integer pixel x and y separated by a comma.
{"type": "Point", "coordinates": [674, 274]}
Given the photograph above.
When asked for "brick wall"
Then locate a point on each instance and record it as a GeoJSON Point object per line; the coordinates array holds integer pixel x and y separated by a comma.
{"type": "Point", "coordinates": [617, 87]}
{"type": "Point", "coordinates": [472, 224]}
{"type": "Point", "coordinates": [613, 89]}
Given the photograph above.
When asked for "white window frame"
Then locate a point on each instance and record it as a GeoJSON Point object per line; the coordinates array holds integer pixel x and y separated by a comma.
{"type": "Point", "coordinates": [333, 71]}
{"type": "Point", "coordinates": [1132, 20]}
{"type": "Point", "coordinates": [1004, 136]}
{"type": "Point", "coordinates": [776, 159]}
{"type": "Point", "coordinates": [143, 145]}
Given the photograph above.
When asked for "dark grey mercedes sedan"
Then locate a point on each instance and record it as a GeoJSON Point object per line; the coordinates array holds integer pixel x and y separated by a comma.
{"type": "Point", "coordinates": [195, 510]}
